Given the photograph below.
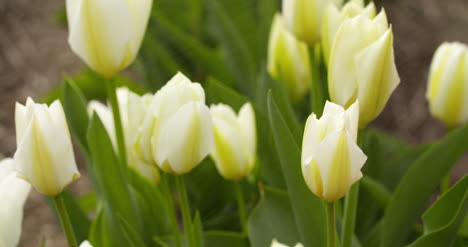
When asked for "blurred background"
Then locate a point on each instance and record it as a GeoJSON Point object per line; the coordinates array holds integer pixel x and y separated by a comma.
{"type": "Point", "coordinates": [34, 56]}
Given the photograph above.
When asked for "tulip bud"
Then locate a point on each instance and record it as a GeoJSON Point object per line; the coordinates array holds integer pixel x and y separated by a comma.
{"type": "Point", "coordinates": [362, 65]}
{"type": "Point", "coordinates": [13, 192]}
{"type": "Point", "coordinates": [235, 140]}
{"type": "Point", "coordinates": [447, 91]}
{"type": "Point", "coordinates": [86, 243]}
{"type": "Point", "coordinates": [275, 243]}
{"type": "Point", "coordinates": [182, 134]}
{"type": "Point", "coordinates": [334, 17]}
{"type": "Point", "coordinates": [304, 17]}
{"type": "Point", "coordinates": [105, 34]}
{"type": "Point", "coordinates": [44, 156]}
{"type": "Point", "coordinates": [133, 109]}
{"type": "Point", "coordinates": [288, 60]}
{"type": "Point", "coordinates": [331, 159]}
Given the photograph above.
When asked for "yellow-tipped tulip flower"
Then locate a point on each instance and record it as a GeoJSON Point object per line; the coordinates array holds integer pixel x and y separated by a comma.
{"type": "Point", "coordinates": [13, 193]}
{"type": "Point", "coordinates": [334, 17]}
{"type": "Point", "coordinates": [44, 156]}
{"type": "Point", "coordinates": [331, 159]}
{"type": "Point", "coordinates": [447, 91]}
{"type": "Point", "coordinates": [362, 65]}
{"type": "Point", "coordinates": [182, 133]}
{"type": "Point", "coordinates": [304, 17]}
{"type": "Point", "coordinates": [235, 140]}
{"type": "Point", "coordinates": [133, 109]}
{"type": "Point", "coordinates": [107, 34]}
{"type": "Point", "coordinates": [275, 243]}
{"type": "Point", "coordinates": [288, 60]}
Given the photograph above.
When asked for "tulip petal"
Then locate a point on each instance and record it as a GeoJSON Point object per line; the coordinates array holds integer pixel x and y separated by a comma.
{"type": "Point", "coordinates": [247, 125]}
{"type": "Point", "coordinates": [185, 139]}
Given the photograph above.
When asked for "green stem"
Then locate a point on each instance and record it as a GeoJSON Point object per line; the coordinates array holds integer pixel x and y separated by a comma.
{"type": "Point", "coordinates": [65, 220]}
{"type": "Point", "coordinates": [331, 224]}
{"type": "Point", "coordinates": [351, 202]}
{"type": "Point", "coordinates": [241, 206]}
{"type": "Point", "coordinates": [112, 97]}
{"type": "Point", "coordinates": [170, 205]}
{"type": "Point", "coordinates": [184, 203]}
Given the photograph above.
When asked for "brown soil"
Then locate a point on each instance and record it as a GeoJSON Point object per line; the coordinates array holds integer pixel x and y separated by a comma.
{"type": "Point", "coordinates": [34, 54]}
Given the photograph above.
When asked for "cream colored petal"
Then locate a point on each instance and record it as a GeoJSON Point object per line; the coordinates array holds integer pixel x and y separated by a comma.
{"type": "Point", "coordinates": [13, 193]}
{"type": "Point", "coordinates": [99, 35]}
{"type": "Point", "coordinates": [357, 160]}
{"type": "Point", "coordinates": [140, 11]}
{"type": "Point", "coordinates": [248, 127]}
{"type": "Point", "coordinates": [311, 139]}
{"type": "Point", "coordinates": [273, 43]}
{"type": "Point", "coordinates": [331, 21]}
{"type": "Point", "coordinates": [86, 243]}
{"type": "Point", "coordinates": [186, 138]}
{"type": "Point", "coordinates": [377, 76]}
{"type": "Point", "coordinates": [105, 114]}
{"type": "Point", "coordinates": [58, 117]}
{"type": "Point", "coordinates": [352, 120]}
{"type": "Point", "coordinates": [21, 122]}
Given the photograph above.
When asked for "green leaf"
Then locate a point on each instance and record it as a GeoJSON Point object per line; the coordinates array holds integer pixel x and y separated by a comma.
{"type": "Point", "coordinates": [377, 191]}
{"type": "Point", "coordinates": [272, 218]}
{"type": "Point", "coordinates": [309, 210]}
{"type": "Point", "coordinates": [130, 234]}
{"type": "Point", "coordinates": [217, 92]}
{"type": "Point", "coordinates": [225, 239]}
{"type": "Point", "coordinates": [416, 187]}
{"type": "Point", "coordinates": [197, 229]}
{"type": "Point", "coordinates": [88, 202]}
{"type": "Point", "coordinates": [444, 218]}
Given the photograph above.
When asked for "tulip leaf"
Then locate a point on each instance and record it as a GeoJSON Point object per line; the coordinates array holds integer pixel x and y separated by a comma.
{"type": "Point", "coordinates": [225, 239]}
{"type": "Point", "coordinates": [217, 92]}
{"type": "Point", "coordinates": [130, 234]}
{"type": "Point", "coordinates": [110, 182]}
{"type": "Point", "coordinates": [197, 229]}
{"type": "Point", "coordinates": [309, 210]}
{"type": "Point", "coordinates": [272, 218]}
{"type": "Point", "coordinates": [416, 187]}
{"type": "Point", "coordinates": [443, 219]}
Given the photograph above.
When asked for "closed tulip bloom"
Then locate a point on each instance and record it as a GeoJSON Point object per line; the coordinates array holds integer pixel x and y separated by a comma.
{"type": "Point", "coordinates": [107, 34]}
{"type": "Point", "coordinates": [44, 156]}
{"type": "Point", "coordinates": [288, 60]}
{"type": "Point", "coordinates": [331, 159]}
{"type": "Point", "coordinates": [13, 193]}
{"type": "Point", "coordinates": [132, 110]}
{"type": "Point", "coordinates": [182, 133]}
{"type": "Point", "coordinates": [447, 91]}
{"type": "Point", "coordinates": [275, 243]}
{"type": "Point", "coordinates": [334, 17]}
{"type": "Point", "coordinates": [86, 243]}
{"type": "Point", "coordinates": [304, 17]}
{"type": "Point", "coordinates": [235, 140]}
{"type": "Point", "coordinates": [362, 65]}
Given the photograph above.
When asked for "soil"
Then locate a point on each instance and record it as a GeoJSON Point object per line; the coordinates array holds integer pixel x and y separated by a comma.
{"type": "Point", "coordinates": [34, 54]}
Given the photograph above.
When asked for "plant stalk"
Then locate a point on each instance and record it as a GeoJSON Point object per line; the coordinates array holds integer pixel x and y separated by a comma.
{"type": "Point", "coordinates": [241, 207]}
{"type": "Point", "coordinates": [184, 204]}
{"type": "Point", "coordinates": [331, 228]}
{"type": "Point", "coordinates": [65, 220]}
{"type": "Point", "coordinates": [170, 204]}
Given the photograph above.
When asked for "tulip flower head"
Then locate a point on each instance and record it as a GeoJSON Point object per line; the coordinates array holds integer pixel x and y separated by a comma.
{"type": "Point", "coordinates": [288, 60]}
{"type": "Point", "coordinates": [334, 17]}
{"type": "Point", "coordinates": [235, 140]}
{"type": "Point", "coordinates": [331, 159]}
{"type": "Point", "coordinates": [362, 65]}
{"type": "Point", "coordinates": [447, 91]}
{"type": "Point", "coordinates": [107, 34]}
{"type": "Point", "coordinates": [182, 129]}
{"type": "Point", "coordinates": [45, 155]}
{"type": "Point", "coordinates": [13, 192]}
{"type": "Point", "coordinates": [86, 243]}
{"type": "Point", "coordinates": [133, 109]}
{"type": "Point", "coordinates": [304, 17]}
{"type": "Point", "coordinates": [275, 243]}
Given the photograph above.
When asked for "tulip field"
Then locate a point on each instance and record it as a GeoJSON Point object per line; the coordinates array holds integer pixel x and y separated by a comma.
{"type": "Point", "coordinates": [235, 123]}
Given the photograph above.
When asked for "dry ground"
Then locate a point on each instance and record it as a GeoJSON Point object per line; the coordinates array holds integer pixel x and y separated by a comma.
{"type": "Point", "coordinates": [34, 54]}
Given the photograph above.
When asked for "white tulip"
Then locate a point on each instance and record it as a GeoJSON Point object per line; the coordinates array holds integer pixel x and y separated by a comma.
{"type": "Point", "coordinates": [447, 91]}
{"type": "Point", "coordinates": [182, 133]}
{"type": "Point", "coordinates": [334, 17]}
{"type": "Point", "coordinates": [362, 65]}
{"type": "Point", "coordinates": [13, 193]}
{"type": "Point", "coordinates": [133, 109]}
{"type": "Point", "coordinates": [86, 243]}
{"type": "Point", "coordinates": [235, 140]}
{"type": "Point", "coordinates": [288, 60]}
{"type": "Point", "coordinates": [275, 243]}
{"type": "Point", "coordinates": [45, 153]}
{"type": "Point", "coordinates": [304, 17]}
{"type": "Point", "coordinates": [331, 159]}
{"type": "Point", "coordinates": [107, 34]}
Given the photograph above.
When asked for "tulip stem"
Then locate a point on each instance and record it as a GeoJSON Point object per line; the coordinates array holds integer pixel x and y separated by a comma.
{"type": "Point", "coordinates": [241, 206]}
{"type": "Point", "coordinates": [184, 204]}
{"type": "Point", "coordinates": [331, 224]}
{"type": "Point", "coordinates": [112, 97]}
{"type": "Point", "coordinates": [65, 220]}
{"type": "Point", "coordinates": [351, 202]}
{"type": "Point", "coordinates": [318, 97]}
{"type": "Point", "coordinates": [170, 205]}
